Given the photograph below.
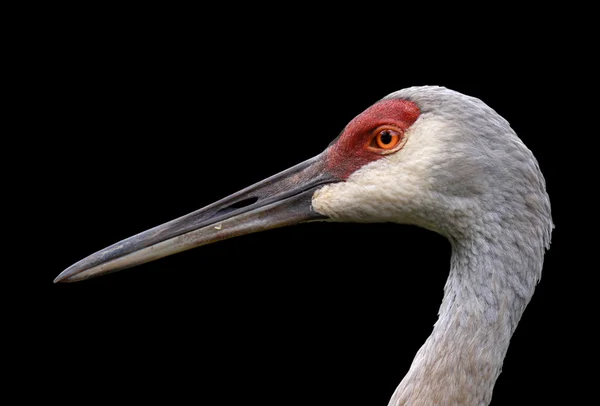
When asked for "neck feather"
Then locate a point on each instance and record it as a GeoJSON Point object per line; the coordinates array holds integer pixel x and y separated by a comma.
{"type": "Point", "coordinates": [489, 285]}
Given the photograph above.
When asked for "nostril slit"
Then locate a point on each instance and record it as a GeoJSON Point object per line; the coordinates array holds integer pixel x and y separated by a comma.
{"type": "Point", "coordinates": [238, 205]}
{"type": "Point", "coordinates": [244, 203]}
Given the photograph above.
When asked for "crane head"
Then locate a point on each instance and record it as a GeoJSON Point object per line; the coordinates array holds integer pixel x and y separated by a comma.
{"type": "Point", "coordinates": [410, 158]}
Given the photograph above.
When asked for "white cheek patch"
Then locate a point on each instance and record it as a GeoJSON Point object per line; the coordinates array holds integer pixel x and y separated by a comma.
{"type": "Point", "coordinates": [389, 189]}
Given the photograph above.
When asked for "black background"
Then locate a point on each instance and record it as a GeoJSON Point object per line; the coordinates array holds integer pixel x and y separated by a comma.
{"type": "Point", "coordinates": [143, 120]}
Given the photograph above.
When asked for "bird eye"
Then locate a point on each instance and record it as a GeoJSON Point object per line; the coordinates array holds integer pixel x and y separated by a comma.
{"type": "Point", "coordinates": [386, 139]}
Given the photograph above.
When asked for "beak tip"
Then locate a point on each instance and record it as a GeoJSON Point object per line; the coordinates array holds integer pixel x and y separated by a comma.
{"type": "Point", "coordinates": [59, 278]}
{"type": "Point", "coordinates": [63, 276]}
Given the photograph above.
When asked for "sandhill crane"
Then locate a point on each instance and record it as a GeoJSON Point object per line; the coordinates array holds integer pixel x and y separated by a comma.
{"type": "Point", "coordinates": [425, 156]}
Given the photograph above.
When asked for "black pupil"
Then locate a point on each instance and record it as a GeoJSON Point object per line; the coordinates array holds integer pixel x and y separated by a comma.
{"type": "Point", "coordinates": [386, 137]}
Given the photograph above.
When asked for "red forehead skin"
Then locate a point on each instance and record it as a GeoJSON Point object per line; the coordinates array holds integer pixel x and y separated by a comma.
{"type": "Point", "coordinates": [350, 151]}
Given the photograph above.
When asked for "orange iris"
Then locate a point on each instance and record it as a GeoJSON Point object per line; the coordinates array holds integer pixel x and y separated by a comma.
{"type": "Point", "coordinates": [387, 139]}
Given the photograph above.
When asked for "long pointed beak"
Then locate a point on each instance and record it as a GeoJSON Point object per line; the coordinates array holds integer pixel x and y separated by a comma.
{"type": "Point", "coordinates": [281, 200]}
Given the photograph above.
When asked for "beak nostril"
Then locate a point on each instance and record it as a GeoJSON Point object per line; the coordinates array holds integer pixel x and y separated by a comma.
{"type": "Point", "coordinates": [237, 205]}
{"type": "Point", "coordinates": [244, 203]}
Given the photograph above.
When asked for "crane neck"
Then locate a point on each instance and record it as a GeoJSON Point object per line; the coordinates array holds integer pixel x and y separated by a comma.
{"type": "Point", "coordinates": [491, 281]}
